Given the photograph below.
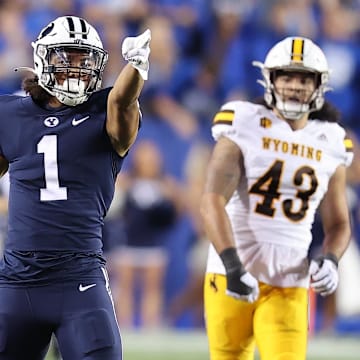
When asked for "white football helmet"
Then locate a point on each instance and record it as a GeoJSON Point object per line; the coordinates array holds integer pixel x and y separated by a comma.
{"type": "Point", "coordinates": [69, 59]}
{"type": "Point", "coordinates": [294, 54]}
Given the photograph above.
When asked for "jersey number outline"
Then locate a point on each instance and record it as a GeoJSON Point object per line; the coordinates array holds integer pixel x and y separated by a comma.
{"type": "Point", "coordinates": [268, 186]}
{"type": "Point", "coordinates": [52, 191]}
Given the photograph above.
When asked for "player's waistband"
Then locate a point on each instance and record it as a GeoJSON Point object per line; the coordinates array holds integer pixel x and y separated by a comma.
{"type": "Point", "coordinates": [38, 268]}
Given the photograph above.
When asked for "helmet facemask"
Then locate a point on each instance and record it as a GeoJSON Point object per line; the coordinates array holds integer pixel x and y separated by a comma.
{"type": "Point", "coordinates": [69, 60]}
{"type": "Point", "coordinates": [288, 57]}
{"type": "Point", "coordinates": [293, 102]}
{"type": "Point", "coordinates": [72, 73]}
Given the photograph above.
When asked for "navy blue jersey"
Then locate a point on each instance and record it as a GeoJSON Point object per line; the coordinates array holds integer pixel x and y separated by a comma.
{"type": "Point", "coordinates": [146, 223]}
{"type": "Point", "coordinates": [62, 171]}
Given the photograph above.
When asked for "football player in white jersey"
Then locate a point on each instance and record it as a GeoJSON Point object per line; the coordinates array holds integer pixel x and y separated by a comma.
{"type": "Point", "coordinates": [272, 166]}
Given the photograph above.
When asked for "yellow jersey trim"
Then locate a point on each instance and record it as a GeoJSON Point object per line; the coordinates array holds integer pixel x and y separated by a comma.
{"type": "Point", "coordinates": [349, 146]}
{"type": "Point", "coordinates": [224, 117]}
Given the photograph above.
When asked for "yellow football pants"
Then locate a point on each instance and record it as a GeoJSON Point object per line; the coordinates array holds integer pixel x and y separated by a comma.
{"type": "Point", "coordinates": [277, 322]}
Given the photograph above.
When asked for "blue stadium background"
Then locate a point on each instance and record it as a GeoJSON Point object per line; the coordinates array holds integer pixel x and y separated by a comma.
{"type": "Point", "coordinates": [202, 53]}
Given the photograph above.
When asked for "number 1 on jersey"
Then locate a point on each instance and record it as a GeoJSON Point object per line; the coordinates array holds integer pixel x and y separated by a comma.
{"type": "Point", "coordinates": [52, 191]}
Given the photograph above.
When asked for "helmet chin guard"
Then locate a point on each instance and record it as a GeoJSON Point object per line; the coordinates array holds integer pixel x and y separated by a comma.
{"type": "Point", "coordinates": [73, 86]}
{"type": "Point", "coordinates": [295, 54]}
{"type": "Point", "coordinates": [69, 60]}
{"type": "Point", "coordinates": [291, 110]}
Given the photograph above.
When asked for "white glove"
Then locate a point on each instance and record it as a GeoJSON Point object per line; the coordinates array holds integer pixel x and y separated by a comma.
{"type": "Point", "coordinates": [245, 288]}
{"type": "Point", "coordinates": [324, 276]}
{"type": "Point", "coordinates": [136, 51]}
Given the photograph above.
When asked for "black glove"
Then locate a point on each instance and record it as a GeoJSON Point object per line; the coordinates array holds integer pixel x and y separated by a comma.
{"type": "Point", "coordinates": [241, 284]}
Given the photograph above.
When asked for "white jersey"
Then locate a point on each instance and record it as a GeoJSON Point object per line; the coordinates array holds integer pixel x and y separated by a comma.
{"type": "Point", "coordinates": [286, 174]}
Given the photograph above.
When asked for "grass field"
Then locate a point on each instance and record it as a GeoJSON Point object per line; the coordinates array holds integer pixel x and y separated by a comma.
{"type": "Point", "coordinates": [171, 345]}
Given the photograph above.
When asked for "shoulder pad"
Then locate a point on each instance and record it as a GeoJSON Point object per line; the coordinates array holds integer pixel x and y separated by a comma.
{"type": "Point", "coordinates": [232, 116]}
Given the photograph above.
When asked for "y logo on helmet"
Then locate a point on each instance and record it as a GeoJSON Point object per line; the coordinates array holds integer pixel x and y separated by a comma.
{"type": "Point", "coordinates": [51, 121]}
{"type": "Point", "coordinates": [46, 31]}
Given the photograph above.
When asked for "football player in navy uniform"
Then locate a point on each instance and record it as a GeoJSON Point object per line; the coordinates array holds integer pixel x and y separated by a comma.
{"type": "Point", "coordinates": [63, 146]}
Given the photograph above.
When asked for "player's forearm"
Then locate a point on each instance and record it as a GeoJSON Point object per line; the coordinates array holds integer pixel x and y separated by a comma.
{"type": "Point", "coordinates": [123, 109]}
{"type": "Point", "coordinates": [4, 165]}
{"type": "Point", "coordinates": [127, 88]}
{"type": "Point", "coordinates": [337, 239]}
{"type": "Point", "coordinates": [216, 221]}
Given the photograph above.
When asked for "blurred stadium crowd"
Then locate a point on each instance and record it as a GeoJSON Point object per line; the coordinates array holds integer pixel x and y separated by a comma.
{"type": "Point", "coordinates": [201, 55]}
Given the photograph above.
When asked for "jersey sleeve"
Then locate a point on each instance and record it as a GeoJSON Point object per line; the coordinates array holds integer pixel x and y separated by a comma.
{"type": "Point", "coordinates": [344, 146]}
{"type": "Point", "coordinates": [231, 118]}
{"type": "Point", "coordinates": [349, 151]}
{"type": "Point", "coordinates": [8, 129]}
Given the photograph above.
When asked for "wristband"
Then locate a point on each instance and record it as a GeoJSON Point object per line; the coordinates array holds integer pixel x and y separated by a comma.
{"type": "Point", "coordinates": [329, 256]}
{"type": "Point", "coordinates": [231, 261]}
{"type": "Point", "coordinates": [332, 257]}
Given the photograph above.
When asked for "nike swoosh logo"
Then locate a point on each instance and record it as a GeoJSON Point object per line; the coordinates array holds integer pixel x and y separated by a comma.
{"type": "Point", "coordinates": [76, 122]}
{"type": "Point", "coordinates": [83, 288]}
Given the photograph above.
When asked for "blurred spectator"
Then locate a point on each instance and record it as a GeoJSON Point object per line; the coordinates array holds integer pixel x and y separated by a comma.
{"type": "Point", "coordinates": [40, 12]}
{"type": "Point", "coordinates": [295, 17]}
{"type": "Point", "coordinates": [190, 297]}
{"type": "Point", "coordinates": [226, 49]}
{"type": "Point", "coordinates": [201, 99]}
{"type": "Point", "coordinates": [151, 203]}
{"type": "Point", "coordinates": [170, 75]}
{"type": "Point", "coordinates": [338, 25]}
{"type": "Point", "coordinates": [191, 20]}
{"type": "Point", "coordinates": [13, 52]}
